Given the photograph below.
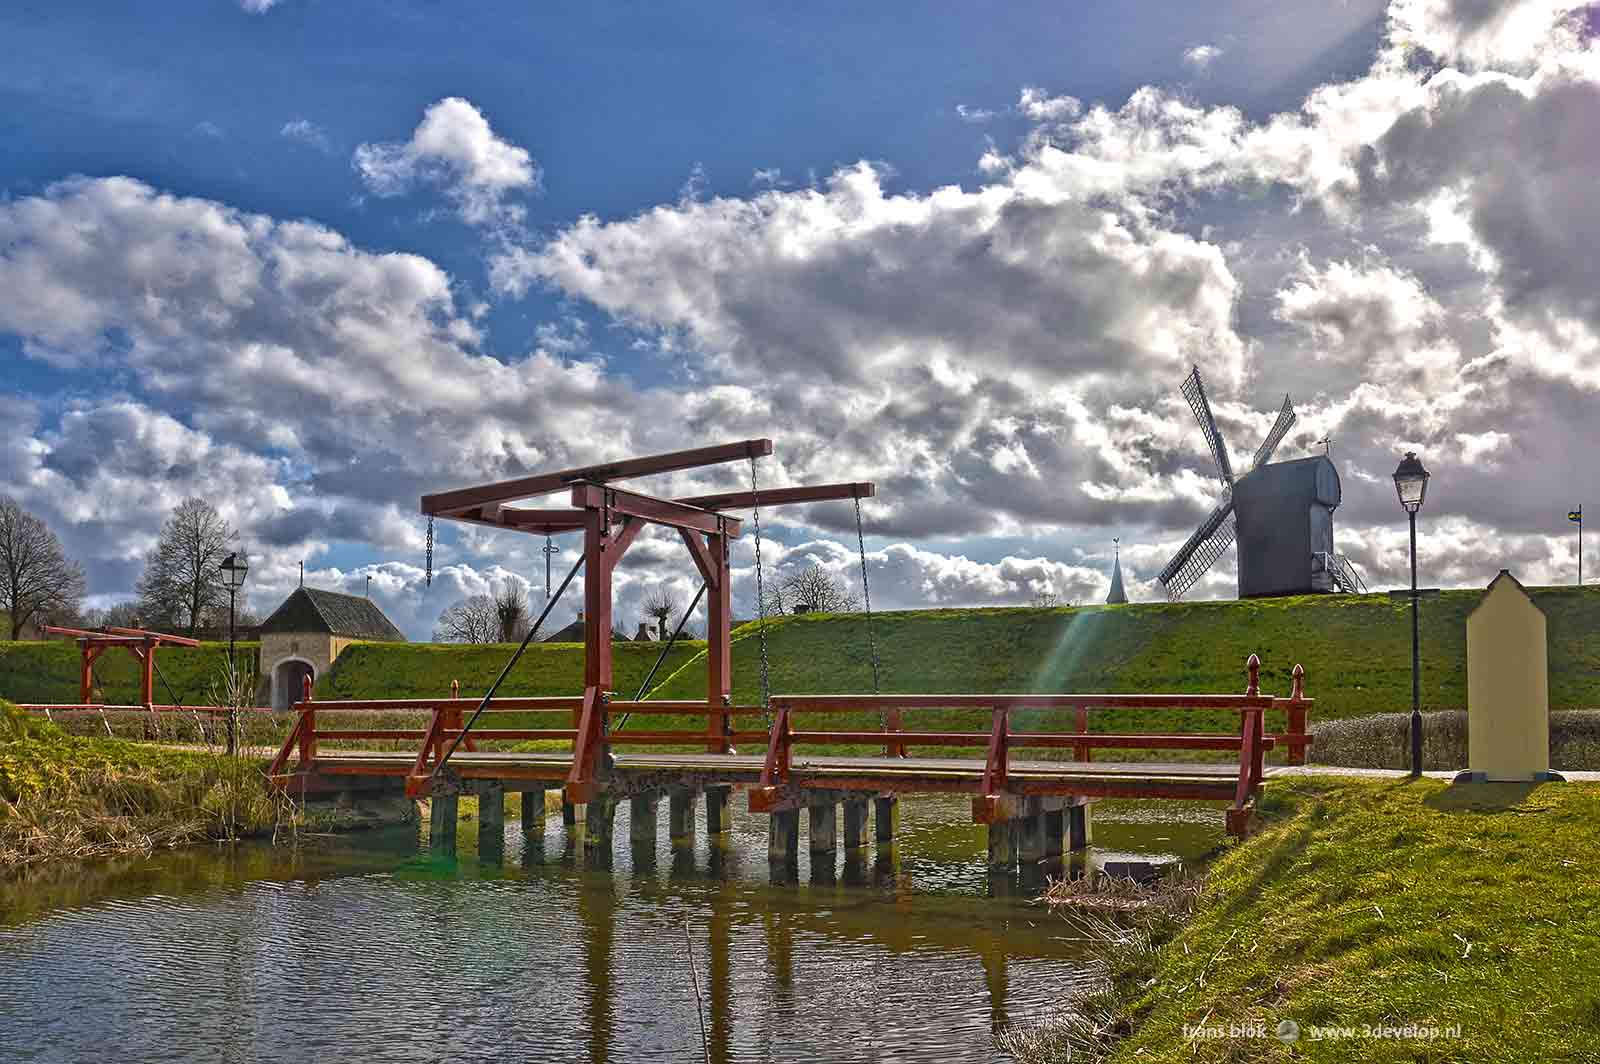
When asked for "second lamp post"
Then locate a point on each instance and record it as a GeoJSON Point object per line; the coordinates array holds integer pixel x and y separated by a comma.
{"type": "Point", "coordinates": [1411, 483]}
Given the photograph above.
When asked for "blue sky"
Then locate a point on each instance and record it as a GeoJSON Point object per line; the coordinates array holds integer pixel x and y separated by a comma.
{"type": "Point", "coordinates": [670, 223]}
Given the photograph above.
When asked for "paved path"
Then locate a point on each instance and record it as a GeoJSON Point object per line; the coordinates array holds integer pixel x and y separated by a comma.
{"type": "Point", "coordinates": [1286, 771]}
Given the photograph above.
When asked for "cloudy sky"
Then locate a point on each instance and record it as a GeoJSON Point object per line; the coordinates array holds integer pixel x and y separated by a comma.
{"type": "Point", "coordinates": [310, 260]}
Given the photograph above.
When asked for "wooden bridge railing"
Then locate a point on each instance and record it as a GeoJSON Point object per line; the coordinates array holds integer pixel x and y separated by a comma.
{"type": "Point", "coordinates": [591, 735]}
{"type": "Point", "coordinates": [1250, 740]}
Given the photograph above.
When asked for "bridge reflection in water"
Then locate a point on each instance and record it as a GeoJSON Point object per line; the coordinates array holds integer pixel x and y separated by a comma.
{"type": "Point", "coordinates": [543, 952]}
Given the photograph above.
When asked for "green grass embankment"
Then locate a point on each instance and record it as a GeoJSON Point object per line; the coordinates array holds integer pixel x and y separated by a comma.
{"type": "Point", "coordinates": [67, 796]}
{"type": "Point", "coordinates": [1356, 650]}
{"type": "Point", "coordinates": [424, 670]}
{"type": "Point", "coordinates": [48, 671]}
{"type": "Point", "coordinates": [1390, 921]}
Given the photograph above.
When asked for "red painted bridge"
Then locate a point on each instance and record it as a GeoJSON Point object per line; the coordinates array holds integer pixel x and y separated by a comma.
{"type": "Point", "coordinates": [1026, 802]}
{"type": "Point", "coordinates": [1035, 807]}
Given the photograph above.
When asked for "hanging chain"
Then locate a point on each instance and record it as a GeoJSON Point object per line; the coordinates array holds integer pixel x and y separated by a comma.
{"type": "Point", "coordinates": [866, 595]}
{"type": "Point", "coordinates": [429, 581]}
{"type": "Point", "coordinates": [761, 602]}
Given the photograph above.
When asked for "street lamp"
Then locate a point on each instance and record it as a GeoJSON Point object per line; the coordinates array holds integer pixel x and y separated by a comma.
{"type": "Point", "coordinates": [234, 569]}
{"type": "Point", "coordinates": [1411, 484]}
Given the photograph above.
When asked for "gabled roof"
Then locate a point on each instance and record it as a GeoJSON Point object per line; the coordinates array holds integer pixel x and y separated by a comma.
{"type": "Point", "coordinates": [573, 633]}
{"type": "Point", "coordinates": [311, 609]}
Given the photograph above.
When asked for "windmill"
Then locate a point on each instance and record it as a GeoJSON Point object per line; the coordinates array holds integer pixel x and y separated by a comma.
{"type": "Point", "coordinates": [1280, 514]}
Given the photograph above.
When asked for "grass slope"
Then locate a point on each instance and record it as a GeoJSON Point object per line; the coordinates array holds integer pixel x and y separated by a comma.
{"type": "Point", "coordinates": [48, 672]}
{"type": "Point", "coordinates": [424, 670]}
{"type": "Point", "coordinates": [1356, 650]}
{"type": "Point", "coordinates": [1367, 904]}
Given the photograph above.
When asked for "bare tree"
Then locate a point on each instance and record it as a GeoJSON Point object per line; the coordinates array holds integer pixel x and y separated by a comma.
{"type": "Point", "coordinates": [472, 620]}
{"type": "Point", "coordinates": [815, 590]}
{"type": "Point", "coordinates": [36, 578]}
{"type": "Point", "coordinates": [662, 605]}
{"type": "Point", "coordinates": [182, 581]}
{"type": "Point", "coordinates": [121, 615]}
{"type": "Point", "coordinates": [511, 612]}
{"type": "Point", "coordinates": [1045, 599]}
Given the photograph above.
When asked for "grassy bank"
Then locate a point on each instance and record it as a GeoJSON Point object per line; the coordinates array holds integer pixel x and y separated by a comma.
{"type": "Point", "coordinates": [65, 796]}
{"type": "Point", "coordinates": [1462, 920]}
{"type": "Point", "coordinates": [424, 670]}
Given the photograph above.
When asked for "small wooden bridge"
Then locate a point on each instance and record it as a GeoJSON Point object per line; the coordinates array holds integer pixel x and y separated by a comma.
{"type": "Point", "coordinates": [1034, 809]}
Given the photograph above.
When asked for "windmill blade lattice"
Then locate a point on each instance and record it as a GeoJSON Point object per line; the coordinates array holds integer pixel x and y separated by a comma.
{"type": "Point", "coordinates": [1280, 428]}
{"type": "Point", "coordinates": [1194, 390]}
{"type": "Point", "coordinates": [1208, 543]}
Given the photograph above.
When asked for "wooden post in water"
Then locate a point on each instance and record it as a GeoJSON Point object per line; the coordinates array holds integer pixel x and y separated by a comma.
{"type": "Point", "coordinates": [855, 824]}
{"type": "Point", "coordinates": [719, 813]}
{"type": "Point", "coordinates": [533, 815]}
{"type": "Point", "coordinates": [1030, 847]}
{"type": "Point", "coordinates": [571, 815]}
{"type": "Point", "coordinates": [642, 819]}
{"type": "Point", "coordinates": [783, 838]}
{"type": "Point", "coordinates": [680, 816]}
{"type": "Point", "coordinates": [491, 820]}
{"type": "Point", "coordinates": [598, 821]}
{"type": "Point", "coordinates": [1002, 844]}
{"type": "Point", "coordinates": [1055, 827]}
{"type": "Point", "coordinates": [1079, 831]}
{"type": "Point", "coordinates": [886, 817]}
{"type": "Point", "coordinates": [442, 810]}
{"type": "Point", "coordinates": [824, 828]}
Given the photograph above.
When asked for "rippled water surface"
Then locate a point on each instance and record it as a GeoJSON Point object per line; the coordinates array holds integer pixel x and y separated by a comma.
{"type": "Point", "coordinates": [365, 948]}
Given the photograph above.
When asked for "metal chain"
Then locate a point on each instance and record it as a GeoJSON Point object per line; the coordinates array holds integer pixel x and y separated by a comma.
{"type": "Point", "coordinates": [429, 580]}
{"type": "Point", "coordinates": [761, 604]}
{"type": "Point", "coordinates": [866, 595]}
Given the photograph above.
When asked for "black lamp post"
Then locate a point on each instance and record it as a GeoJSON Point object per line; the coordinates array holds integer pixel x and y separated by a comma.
{"type": "Point", "coordinates": [234, 569]}
{"type": "Point", "coordinates": [1411, 483]}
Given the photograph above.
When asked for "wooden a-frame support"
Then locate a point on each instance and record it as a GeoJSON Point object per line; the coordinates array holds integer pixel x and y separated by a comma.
{"type": "Point", "coordinates": [610, 519]}
{"type": "Point", "coordinates": [140, 643]}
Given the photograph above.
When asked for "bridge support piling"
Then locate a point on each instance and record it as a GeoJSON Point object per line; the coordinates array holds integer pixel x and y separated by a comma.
{"type": "Point", "coordinates": [442, 809]}
{"type": "Point", "coordinates": [824, 828]}
{"type": "Point", "coordinates": [571, 815]}
{"type": "Point", "coordinates": [680, 816]}
{"type": "Point", "coordinates": [719, 811]}
{"type": "Point", "coordinates": [642, 819]}
{"type": "Point", "coordinates": [855, 824]}
{"type": "Point", "coordinates": [1004, 836]}
{"type": "Point", "coordinates": [1079, 827]}
{"type": "Point", "coordinates": [1055, 828]}
{"type": "Point", "coordinates": [1030, 831]}
{"type": "Point", "coordinates": [598, 821]}
{"type": "Point", "coordinates": [783, 837]}
{"type": "Point", "coordinates": [491, 821]}
{"type": "Point", "coordinates": [886, 818]}
{"type": "Point", "coordinates": [533, 814]}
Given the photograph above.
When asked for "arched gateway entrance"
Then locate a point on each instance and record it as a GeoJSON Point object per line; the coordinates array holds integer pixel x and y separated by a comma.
{"type": "Point", "coordinates": [289, 682]}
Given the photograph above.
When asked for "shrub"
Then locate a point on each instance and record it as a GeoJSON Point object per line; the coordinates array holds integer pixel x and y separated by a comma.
{"type": "Point", "coordinates": [1383, 740]}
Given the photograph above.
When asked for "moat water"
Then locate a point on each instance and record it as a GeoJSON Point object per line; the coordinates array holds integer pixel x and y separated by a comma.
{"type": "Point", "coordinates": [365, 947]}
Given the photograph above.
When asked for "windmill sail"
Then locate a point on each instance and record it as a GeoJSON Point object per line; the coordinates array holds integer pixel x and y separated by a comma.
{"type": "Point", "coordinates": [1194, 390]}
{"type": "Point", "coordinates": [1280, 428]}
{"type": "Point", "coordinates": [1208, 543]}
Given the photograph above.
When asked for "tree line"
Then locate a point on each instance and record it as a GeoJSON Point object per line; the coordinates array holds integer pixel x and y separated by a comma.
{"type": "Point", "coordinates": [181, 589]}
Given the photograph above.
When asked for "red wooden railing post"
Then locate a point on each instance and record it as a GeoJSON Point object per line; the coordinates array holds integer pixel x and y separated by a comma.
{"type": "Point", "coordinates": [308, 728]}
{"type": "Point", "coordinates": [1082, 750]}
{"type": "Point", "coordinates": [996, 774]}
{"type": "Point", "coordinates": [1297, 717]}
{"type": "Point", "coordinates": [894, 723]}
